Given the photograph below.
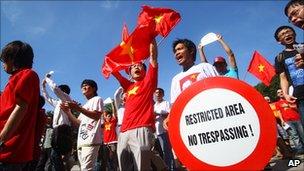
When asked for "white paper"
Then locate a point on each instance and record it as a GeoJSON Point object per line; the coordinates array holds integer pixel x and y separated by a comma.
{"type": "Point", "coordinates": [286, 126]}
{"type": "Point", "coordinates": [208, 38]}
{"type": "Point", "coordinates": [107, 100]}
{"type": "Point", "coordinates": [299, 48]}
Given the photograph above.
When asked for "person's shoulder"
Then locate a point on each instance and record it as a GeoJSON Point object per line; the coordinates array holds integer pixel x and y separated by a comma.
{"type": "Point", "coordinates": [97, 98]}
{"type": "Point", "coordinates": [279, 57]}
{"type": "Point", "coordinates": [285, 54]}
{"type": "Point", "coordinates": [27, 74]}
{"type": "Point", "coordinates": [177, 76]}
{"type": "Point", "coordinates": [204, 64]}
{"type": "Point", "coordinates": [28, 71]}
{"type": "Point", "coordinates": [166, 102]}
{"type": "Point", "coordinates": [235, 69]}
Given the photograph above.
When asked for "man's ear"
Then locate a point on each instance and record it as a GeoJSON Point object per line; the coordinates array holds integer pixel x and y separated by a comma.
{"type": "Point", "coordinates": [192, 51]}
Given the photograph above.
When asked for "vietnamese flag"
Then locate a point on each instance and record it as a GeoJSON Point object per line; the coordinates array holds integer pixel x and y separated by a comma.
{"type": "Point", "coordinates": [135, 49]}
{"type": "Point", "coordinates": [261, 68]}
{"type": "Point", "coordinates": [164, 19]}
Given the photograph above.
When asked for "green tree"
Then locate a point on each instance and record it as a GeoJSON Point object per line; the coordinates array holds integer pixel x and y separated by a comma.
{"type": "Point", "coordinates": [50, 113]}
{"type": "Point", "coordinates": [271, 90]}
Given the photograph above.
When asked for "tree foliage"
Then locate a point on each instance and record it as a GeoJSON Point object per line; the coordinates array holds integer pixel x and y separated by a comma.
{"type": "Point", "coordinates": [270, 91]}
{"type": "Point", "coordinates": [50, 113]}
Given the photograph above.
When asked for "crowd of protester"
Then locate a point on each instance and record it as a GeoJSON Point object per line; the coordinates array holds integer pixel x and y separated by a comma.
{"type": "Point", "coordinates": [130, 132]}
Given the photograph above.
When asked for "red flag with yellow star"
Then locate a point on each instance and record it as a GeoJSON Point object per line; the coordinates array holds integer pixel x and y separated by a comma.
{"type": "Point", "coordinates": [133, 50]}
{"type": "Point", "coordinates": [164, 19]}
{"type": "Point", "coordinates": [261, 68]}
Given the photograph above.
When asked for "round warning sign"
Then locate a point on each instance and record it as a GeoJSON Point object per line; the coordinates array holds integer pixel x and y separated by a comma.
{"type": "Point", "coordinates": [222, 123]}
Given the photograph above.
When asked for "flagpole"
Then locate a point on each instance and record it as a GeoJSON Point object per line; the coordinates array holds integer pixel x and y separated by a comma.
{"type": "Point", "coordinates": [245, 76]}
{"type": "Point", "coordinates": [160, 41]}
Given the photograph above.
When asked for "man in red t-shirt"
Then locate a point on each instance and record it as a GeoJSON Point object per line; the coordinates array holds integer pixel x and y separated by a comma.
{"type": "Point", "coordinates": [18, 106]}
{"type": "Point", "coordinates": [138, 122]}
{"type": "Point", "coordinates": [292, 118]}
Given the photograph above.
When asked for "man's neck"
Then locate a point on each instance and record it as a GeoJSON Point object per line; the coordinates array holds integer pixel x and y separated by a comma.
{"type": "Point", "coordinates": [159, 101]}
{"type": "Point", "coordinates": [187, 67]}
{"type": "Point", "coordinates": [90, 96]}
{"type": "Point", "coordinates": [289, 47]}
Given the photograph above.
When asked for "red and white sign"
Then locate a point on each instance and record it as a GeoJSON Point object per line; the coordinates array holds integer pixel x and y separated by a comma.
{"type": "Point", "coordinates": [221, 123]}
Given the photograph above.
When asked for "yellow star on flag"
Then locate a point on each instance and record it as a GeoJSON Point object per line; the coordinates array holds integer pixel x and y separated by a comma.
{"type": "Point", "coordinates": [193, 76]}
{"type": "Point", "coordinates": [261, 68]}
{"type": "Point", "coordinates": [108, 127]}
{"type": "Point", "coordinates": [158, 19]}
{"type": "Point", "coordinates": [127, 49]}
{"type": "Point", "coordinates": [133, 91]}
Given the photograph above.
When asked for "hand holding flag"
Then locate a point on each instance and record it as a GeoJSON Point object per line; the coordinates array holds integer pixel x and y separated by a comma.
{"type": "Point", "coordinates": [133, 50]}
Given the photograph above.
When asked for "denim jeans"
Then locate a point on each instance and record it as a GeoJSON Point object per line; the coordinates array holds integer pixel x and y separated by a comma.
{"type": "Point", "coordinates": [56, 161]}
{"type": "Point", "coordinates": [10, 166]}
{"type": "Point", "coordinates": [167, 150]}
{"type": "Point", "coordinates": [297, 134]}
{"type": "Point", "coordinates": [300, 104]}
{"type": "Point", "coordinates": [44, 160]}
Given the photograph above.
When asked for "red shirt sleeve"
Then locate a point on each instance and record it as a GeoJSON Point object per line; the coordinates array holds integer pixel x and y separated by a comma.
{"type": "Point", "coordinates": [25, 88]}
{"type": "Point", "coordinates": [122, 80]}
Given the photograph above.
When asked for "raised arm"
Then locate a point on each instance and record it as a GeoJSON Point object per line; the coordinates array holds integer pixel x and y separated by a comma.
{"type": "Point", "coordinates": [59, 93]}
{"type": "Point", "coordinates": [114, 110]}
{"type": "Point", "coordinates": [122, 80]}
{"type": "Point", "coordinates": [228, 51]}
{"type": "Point", "coordinates": [46, 96]}
{"type": "Point", "coordinates": [203, 57]}
{"type": "Point", "coordinates": [153, 53]}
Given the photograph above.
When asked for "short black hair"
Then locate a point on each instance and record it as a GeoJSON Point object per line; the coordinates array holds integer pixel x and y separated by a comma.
{"type": "Point", "coordinates": [189, 45]}
{"type": "Point", "coordinates": [108, 108]}
{"type": "Point", "coordinates": [91, 83]}
{"type": "Point", "coordinates": [282, 28]}
{"type": "Point", "coordinates": [161, 90]}
{"type": "Point", "coordinates": [20, 53]}
{"type": "Point", "coordinates": [291, 3]}
{"type": "Point", "coordinates": [65, 88]}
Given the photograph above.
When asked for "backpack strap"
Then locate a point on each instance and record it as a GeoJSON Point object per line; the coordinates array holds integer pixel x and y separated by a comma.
{"type": "Point", "coordinates": [280, 57]}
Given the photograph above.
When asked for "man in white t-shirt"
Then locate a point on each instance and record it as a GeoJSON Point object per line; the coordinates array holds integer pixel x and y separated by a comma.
{"type": "Point", "coordinates": [59, 118]}
{"type": "Point", "coordinates": [185, 54]}
{"type": "Point", "coordinates": [161, 111]}
{"type": "Point", "coordinates": [89, 122]}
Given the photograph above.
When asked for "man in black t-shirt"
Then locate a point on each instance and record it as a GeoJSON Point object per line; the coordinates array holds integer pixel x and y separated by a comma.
{"type": "Point", "coordinates": [290, 68]}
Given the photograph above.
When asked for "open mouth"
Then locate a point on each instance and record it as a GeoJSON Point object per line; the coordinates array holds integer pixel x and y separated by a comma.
{"type": "Point", "coordinates": [137, 72]}
{"type": "Point", "coordinates": [289, 39]}
{"type": "Point", "coordinates": [300, 24]}
{"type": "Point", "coordinates": [179, 58]}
